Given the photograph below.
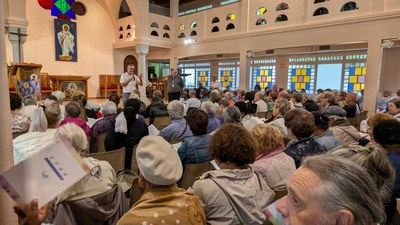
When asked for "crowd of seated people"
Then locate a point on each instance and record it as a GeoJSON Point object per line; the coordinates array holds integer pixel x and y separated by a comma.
{"type": "Point", "coordinates": [253, 157]}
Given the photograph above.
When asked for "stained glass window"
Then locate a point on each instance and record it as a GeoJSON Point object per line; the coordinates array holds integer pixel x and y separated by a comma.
{"type": "Point", "coordinates": [354, 76]}
{"type": "Point", "coordinates": [301, 76]}
{"type": "Point", "coordinates": [227, 76]}
{"type": "Point", "coordinates": [62, 9]}
{"type": "Point", "coordinates": [202, 77]}
{"type": "Point", "coordinates": [261, 10]}
{"type": "Point", "coordinates": [182, 27]}
{"type": "Point", "coordinates": [231, 16]}
{"type": "Point", "coordinates": [264, 76]}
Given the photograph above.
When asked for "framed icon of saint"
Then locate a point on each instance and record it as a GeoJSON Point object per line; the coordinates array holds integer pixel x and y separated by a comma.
{"type": "Point", "coordinates": [65, 40]}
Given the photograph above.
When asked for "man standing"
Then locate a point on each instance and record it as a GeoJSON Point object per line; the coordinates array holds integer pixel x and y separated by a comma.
{"type": "Point", "coordinates": [129, 82]}
{"type": "Point", "coordinates": [175, 85]}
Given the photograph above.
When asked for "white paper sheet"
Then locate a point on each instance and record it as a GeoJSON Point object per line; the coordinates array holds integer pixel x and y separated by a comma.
{"type": "Point", "coordinates": [153, 130]}
{"type": "Point", "coordinates": [45, 174]}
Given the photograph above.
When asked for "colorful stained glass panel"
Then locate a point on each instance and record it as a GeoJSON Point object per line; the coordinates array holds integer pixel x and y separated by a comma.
{"type": "Point", "coordinates": [301, 77]}
{"type": "Point", "coordinates": [264, 76]}
{"type": "Point", "coordinates": [203, 78]}
{"type": "Point", "coordinates": [354, 76]}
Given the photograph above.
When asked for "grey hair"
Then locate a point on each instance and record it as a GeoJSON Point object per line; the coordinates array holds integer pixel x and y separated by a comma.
{"type": "Point", "coordinates": [232, 115]}
{"type": "Point", "coordinates": [157, 93]}
{"type": "Point", "coordinates": [176, 109]}
{"type": "Point", "coordinates": [283, 105]}
{"type": "Point", "coordinates": [192, 92]}
{"type": "Point", "coordinates": [47, 113]}
{"type": "Point", "coordinates": [346, 185]}
{"type": "Point", "coordinates": [376, 163]}
{"type": "Point", "coordinates": [59, 95]}
{"type": "Point", "coordinates": [109, 107]}
{"type": "Point", "coordinates": [76, 137]}
{"type": "Point", "coordinates": [133, 95]}
{"type": "Point", "coordinates": [298, 97]}
{"type": "Point", "coordinates": [208, 107]}
{"type": "Point", "coordinates": [215, 96]}
{"type": "Point", "coordinates": [136, 91]}
{"type": "Point", "coordinates": [229, 95]}
{"type": "Point", "coordinates": [330, 97]}
{"type": "Point", "coordinates": [29, 100]}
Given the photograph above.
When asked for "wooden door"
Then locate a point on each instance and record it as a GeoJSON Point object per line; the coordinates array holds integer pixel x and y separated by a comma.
{"type": "Point", "coordinates": [130, 59]}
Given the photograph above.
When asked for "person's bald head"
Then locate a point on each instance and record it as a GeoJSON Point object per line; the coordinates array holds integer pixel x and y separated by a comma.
{"type": "Point", "coordinates": [351, 98]}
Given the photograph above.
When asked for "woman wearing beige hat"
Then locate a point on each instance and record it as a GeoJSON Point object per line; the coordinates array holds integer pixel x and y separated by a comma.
{"type": "Point", "coordinates": [162, 202]}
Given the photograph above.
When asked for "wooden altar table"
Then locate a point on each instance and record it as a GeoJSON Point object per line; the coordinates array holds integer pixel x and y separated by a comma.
{"type": "Point", "coordinates": [66, 83]}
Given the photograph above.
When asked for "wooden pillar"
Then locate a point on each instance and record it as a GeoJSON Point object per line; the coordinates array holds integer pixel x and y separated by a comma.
{"type": "Point", "coordinates": [373, 79]}
{"type": "Point", "coordinates": [244, 70]}
{"type": "Point", "coordinates": [7, 215]}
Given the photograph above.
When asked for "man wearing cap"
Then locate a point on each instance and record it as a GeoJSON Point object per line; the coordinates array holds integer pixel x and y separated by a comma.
{"type": "Point", "coordinates": [162, 202]}
{"type": "Point", "coordinates": [343, 131]}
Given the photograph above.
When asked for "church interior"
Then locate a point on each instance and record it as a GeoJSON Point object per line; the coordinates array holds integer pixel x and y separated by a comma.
{"type": "Point", "coordinates": [63, 45]}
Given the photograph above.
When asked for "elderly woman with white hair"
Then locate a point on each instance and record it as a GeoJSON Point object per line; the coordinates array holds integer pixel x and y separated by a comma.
{"type": "Point", "coordinates": [232, 115]}
{"type": "Point", "coordinates": [213, 122]}
{"type": "Point", "coordinates": [178, 127]}
{"type": "Point", "coordinates": [109, 111]}
{"type": "Point", "coordinates": [100, 180]}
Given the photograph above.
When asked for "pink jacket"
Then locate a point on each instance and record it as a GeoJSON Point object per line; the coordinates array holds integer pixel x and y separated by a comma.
{"type": "Point", "coordinates": [82, 124]}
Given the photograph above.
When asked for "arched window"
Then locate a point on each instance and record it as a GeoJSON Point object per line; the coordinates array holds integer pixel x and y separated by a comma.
{"type": "Point", "coordinates": [124, 10]}
{"type": "Point", "coordinates": [215, 29]}
{"type": "Point", "coordinates": [121, 36]}
{"type": "Point", "coordinates": [230, 16]}
{"type": "Point", "coordinates": [230, 26]}
{"type": "Point", "coordinates": [261, 10]}
{"type": "Point", "coordinates": [182, 27]}
{"type": "Point", "coordinates": [215, 20]}
{"type": "Point", "coordinates": [154, 33]}
{"type": "Point", "coordinates": [154, 24]}
{"type": "Point", "coordinates": [321, 11]}
{"type": "Point", "coordinates": [193, 33]}
{"type": "Point", "coordinates": [166, 35]}
{"type": "Point", "coordinates": [282, 6]}
{"type": "Point", "coordinates": [121, 28]}
{"type": "Point", "coordinates": [128, 27]}
{"type": "Point", "coordinates": [281, 18]}
{"type": "Point", "coordinates": [166, 27]}
{"type": "Point", "coordinates": [128, 35]}
{"type": "Point", "coordinates": [349, 6]}
{"type": "Point", "coordinates": [193, 24]}
{"type": "Point", "coordinates": [261, 21]}
{"type": "Point", "coordinates": [181, 35]}
{"type": "Point", "coordinates": [318, 1]}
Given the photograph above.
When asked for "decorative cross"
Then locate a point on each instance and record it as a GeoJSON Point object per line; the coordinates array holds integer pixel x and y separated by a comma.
{"type": "Point", "coordinates": [19, 34]}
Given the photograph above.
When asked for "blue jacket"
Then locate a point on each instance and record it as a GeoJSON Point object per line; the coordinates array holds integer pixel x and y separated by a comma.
{"type": "Point", "coordinates": [194, 149]}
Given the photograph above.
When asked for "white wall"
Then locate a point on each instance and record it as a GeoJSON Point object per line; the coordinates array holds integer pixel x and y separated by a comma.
{"type": "Point", "coordinates": [95, 40]}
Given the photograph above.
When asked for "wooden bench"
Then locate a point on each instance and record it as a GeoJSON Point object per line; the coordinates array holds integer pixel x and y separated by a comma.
{"type": "Point", "coordinates": [109, 83]}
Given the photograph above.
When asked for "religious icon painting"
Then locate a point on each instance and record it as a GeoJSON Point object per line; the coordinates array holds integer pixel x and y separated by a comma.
{"type": "Point", "coordinates": [65, 40]}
